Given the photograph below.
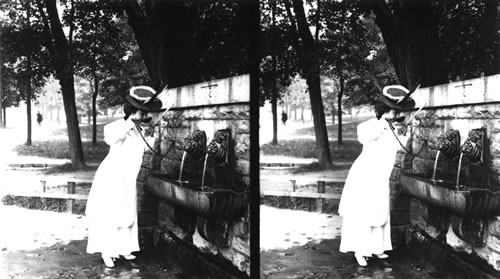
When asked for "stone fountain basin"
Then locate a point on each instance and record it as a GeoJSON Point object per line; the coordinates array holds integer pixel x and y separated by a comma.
{"type": "Point", "coordinates": [207, 203]}
{"type": "Point", "coordinates": [468, 201]}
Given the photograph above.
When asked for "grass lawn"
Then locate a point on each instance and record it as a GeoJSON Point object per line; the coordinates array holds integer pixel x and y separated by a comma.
{"type": "Point", "coordinates": [348, 130]}
{"type": "Point", "coordinates": [302, 148]}
{"type": "Point", "coordinates": [306, 148]}
{"type": "Point", "coordinates": [59, 149]}
{"type": "Point", "coordinates": [57, 205]}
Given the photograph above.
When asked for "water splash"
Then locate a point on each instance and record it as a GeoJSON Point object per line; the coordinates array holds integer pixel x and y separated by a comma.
{"type": "Point", "coordinates": [435, 166]}
{"type": "Point", "coordinates": [182, 165]}
{"type": "Point", "coordinates": [204, 169]}
{"type": "Point", "coordinates": [458, 172]}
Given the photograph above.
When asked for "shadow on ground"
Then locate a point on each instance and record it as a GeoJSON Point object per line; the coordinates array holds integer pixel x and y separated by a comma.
{"type": "Point", "coordinates": [71, 261]}
{"type": "Point", "coordinates": [323, 260]}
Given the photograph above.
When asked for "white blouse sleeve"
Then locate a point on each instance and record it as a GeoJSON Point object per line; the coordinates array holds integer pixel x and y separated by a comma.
{"type": "Point", "coordinates": [116, 131]}
{"type": "Point", "coordinates": [371, 130]}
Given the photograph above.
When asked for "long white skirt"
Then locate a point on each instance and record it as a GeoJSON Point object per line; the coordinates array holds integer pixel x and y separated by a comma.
{"type": "Point", "coordinates": [113, 241]}
{"type": "Point", "coordinates": [364, 239]}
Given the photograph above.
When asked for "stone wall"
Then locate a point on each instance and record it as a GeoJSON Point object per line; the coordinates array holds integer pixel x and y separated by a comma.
{"type": "Point", "coordinates": [462, 106]}
{"type": "Point", "coordinates": [219, 104]}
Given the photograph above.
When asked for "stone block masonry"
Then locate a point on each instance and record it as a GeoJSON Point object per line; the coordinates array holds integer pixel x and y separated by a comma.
{"type": "Point", "coordinates": [462, 106]}
{"type": "Point", "coordinates": [209, 106]}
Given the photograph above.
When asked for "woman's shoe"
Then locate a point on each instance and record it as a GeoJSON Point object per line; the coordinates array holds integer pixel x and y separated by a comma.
{"type": "Point", "coordinates": [108, 261]}
{"type": "Point", "coordinates": [381, 256]}
{"type": "Point", "coordinates": [128, 257]}
{"type": "Point", "coordinates": [360, 259]}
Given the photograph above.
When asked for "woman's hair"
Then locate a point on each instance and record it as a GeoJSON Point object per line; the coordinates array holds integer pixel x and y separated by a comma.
{"type": "Point", "coordinates": [128, 109]}
{"type": "Point", "coordinates": [380, 109]}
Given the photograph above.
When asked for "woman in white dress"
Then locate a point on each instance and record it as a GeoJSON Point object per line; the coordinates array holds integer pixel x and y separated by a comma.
{"type": "Point", "coordinates": [112, 206]}
{"type": "Point", "coordinates": [365, 201]}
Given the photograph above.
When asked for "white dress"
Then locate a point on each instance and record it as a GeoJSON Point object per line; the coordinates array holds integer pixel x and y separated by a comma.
{"type": "Point", "coordinates": [112, 204]}
{"type": "Point", "coordinates": [365, 201]}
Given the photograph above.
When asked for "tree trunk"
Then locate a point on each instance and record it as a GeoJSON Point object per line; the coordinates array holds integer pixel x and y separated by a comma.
{"type": "Point", "coordinates": [412, 43]}
{"type": "Point", "coordinates": [1, 90]}
{"type": "Point", "coordinates": [302, 113]}
{"type": "Point", "coordinates": [333, 114]}
{"type": "Point", "coordinates": [94, 110]}
{"type": "Point", "coordinates": [164, 33]}
{"type": "Point", "coordinates": [310, 68]}
{"type": "Point", "coordinates": [274, 109]}
{"type": "Point", "coordinates": [274, 94]}
{"type": "Point", "coordinates": [75, 141]}
{"type": "Point", "coordinates": [62, 61]}
{"type": "Point", "coordinates": [89, 115]}
{"type": "Point", "coordinates": [318, 113]}
{"type": "Point", "coordinates": [28, 102]}
{"type": "Point", "coordinates": [339, 111]}
{"type": "Point", "coordinates": [28, 80]}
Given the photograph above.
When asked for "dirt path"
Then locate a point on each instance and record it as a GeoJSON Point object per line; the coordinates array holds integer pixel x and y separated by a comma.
{"type": "Point", "coordinates": [63, 261]}
{"type": "Point", "coordinates": [319, 260]}
{"type": "Point", "coordinates": [295, 227]}
{"type": "Point", "coordinates": [300, 244]}
{"type": "Point", "coordinates": [51, 245]}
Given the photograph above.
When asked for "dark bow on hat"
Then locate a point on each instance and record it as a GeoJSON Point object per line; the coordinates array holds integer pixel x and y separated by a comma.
{"type": "Point", "coordinates": [410, 93]}
{"type": "Point", "coordinates": [152, 104]}
{"type": "Point", "coordinates": [396, 97]}
{"type": "Point", "coordinates": [156, 94]}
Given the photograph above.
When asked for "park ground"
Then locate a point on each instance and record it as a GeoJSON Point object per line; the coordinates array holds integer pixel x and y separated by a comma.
{"type": "Point", "coordinates": [295, 241]}
{"type": "Point", "coordinates": [46, 244]}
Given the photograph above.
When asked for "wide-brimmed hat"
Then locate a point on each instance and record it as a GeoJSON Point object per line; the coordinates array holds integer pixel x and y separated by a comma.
{"type": "Point", "coordinates": [397, 97]}
{"type": "Point", "coordinates": [144, 98]}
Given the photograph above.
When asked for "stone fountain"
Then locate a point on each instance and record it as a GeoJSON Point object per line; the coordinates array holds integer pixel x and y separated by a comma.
{"type": "Point", "coordinates": [198, 185]}
{"type": "Point", "coordinates": [447, 197]}
{"type": "Point", "coordinates": [194, 195]}
{"type": "Point", "coordinates": [465, 198]}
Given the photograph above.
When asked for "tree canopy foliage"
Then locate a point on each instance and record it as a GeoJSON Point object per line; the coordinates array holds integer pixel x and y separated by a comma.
{"type": "Point", "coordinates": [64, 39]}
{"type": "Point", "coordinates": [434, 42]}
{"type": "Point", "coordinates": [19, 30]}
{"type": "Point", "coordinates": [469, 35]}
{"type": "Point", "coordinates": [181, 41]}
{"type": "Point", "coordinates": [102, 44]}
{"type": "Point", "coordinates": [105, 53]}
{"type": "Point", "coordinates": [366, 44]}
{"type": "Point", "coordinates": [105, 50]}
{"type": "Point", "coordinates": [275, 47]}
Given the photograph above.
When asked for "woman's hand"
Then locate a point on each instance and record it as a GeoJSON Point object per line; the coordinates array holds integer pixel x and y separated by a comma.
{"type": "Point", "coordinates": [401, 129]}
{"type": "Point", "coordinates": [149, 131]}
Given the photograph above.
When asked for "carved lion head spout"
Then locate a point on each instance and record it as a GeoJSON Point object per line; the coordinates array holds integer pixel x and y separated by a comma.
{"type": "Point", "coordinates": [196, 144]}
{"type": "Point", "coordinates": [473, 145]}
{"type": "Point", "coordinates": [449, 145]}
{"type": "Point", "coordinates": [217, 148]}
